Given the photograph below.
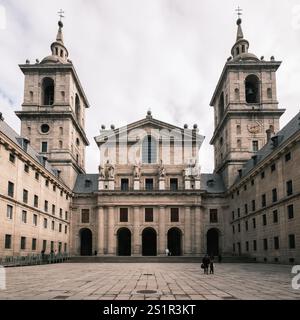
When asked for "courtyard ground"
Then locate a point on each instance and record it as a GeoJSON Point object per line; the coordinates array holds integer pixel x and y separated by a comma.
{"type": "Point", "coordinates": [124, 281]}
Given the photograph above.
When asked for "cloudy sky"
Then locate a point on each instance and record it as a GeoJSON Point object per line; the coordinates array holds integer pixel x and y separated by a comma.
{"type": "Point", "coordinates": [132, 55]}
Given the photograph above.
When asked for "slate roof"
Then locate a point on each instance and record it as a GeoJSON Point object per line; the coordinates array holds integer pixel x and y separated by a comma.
{"type": "Point", "coordinates": [282, 136]}
{"type": "Point", "coordinates": [17, 139]}
{"type": "Point", "coordinates": [82, 186]}
{"type": "Point", "coordinates": [212, 183]}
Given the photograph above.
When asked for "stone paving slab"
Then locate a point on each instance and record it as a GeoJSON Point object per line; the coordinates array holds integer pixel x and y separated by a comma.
{"type": "Point", "coordinates": [170, 281]}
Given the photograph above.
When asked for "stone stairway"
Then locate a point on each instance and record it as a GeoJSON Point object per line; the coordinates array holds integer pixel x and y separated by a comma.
{"type": "Point", "coordinates": [154, 259]}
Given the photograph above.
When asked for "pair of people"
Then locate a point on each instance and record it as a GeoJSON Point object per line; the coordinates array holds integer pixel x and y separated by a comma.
{"type": "Point", "coordinates": [208, 262]}
{"type": "Point", "coordinates": [168, 253]}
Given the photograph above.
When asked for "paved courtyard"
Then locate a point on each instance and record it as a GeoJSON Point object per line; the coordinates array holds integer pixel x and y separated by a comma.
{"type": "Point", "coordinates": [182, 281]}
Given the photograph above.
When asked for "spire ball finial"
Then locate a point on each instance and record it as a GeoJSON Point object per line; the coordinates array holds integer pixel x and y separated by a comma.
{"type": "Point", "coordinates": [239, 21]}
{"type": "Point", "coordinates": [60, 24]}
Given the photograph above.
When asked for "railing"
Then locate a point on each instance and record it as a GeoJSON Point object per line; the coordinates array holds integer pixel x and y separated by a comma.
{"type": "Point", "coordinates": [17, 261]}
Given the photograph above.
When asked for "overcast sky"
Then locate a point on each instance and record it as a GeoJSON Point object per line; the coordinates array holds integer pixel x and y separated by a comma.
{"type": "Point", "coordinates": [132, 55]}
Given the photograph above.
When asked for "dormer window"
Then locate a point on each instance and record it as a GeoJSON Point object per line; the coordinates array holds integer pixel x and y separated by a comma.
{"type": "Point", "coordinates": [87, 183]}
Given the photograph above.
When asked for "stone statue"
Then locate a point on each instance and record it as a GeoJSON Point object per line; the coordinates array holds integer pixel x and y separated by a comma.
{"type": "Point", "coordinates": [161, 170]}
{"type": "Point", "coordinates": [109, 171]}
{"type": "Point", "coordinates": [101, 172]}
{"type": "Point", "coordinates": [136, 170]}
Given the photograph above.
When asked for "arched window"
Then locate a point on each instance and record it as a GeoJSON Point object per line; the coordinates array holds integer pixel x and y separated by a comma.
{"type": "Point", "coordinates": [252, 89]}
{"type": "Point", "coordinates": [77, 107]}
{"type": "Point", "coordinates": [149, 150]}
{"type": "Point", "coordinates": [238, 129]}
{"type": "Point", "coordinates": [237, 51]}
{"type": "Point", "coordinates": [48, 91]}
{"type": "Point", "coordinates": [221, 106]}
{"type": "Point", "coordinates": [237, 94]}
{"type": "Point", "coordinates": [239, 144]}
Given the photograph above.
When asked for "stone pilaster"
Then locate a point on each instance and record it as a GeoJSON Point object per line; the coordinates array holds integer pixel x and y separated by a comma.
{"type": "Point", "coordinates": [111, 236]}
{"type": "Point", "coordinates": [136, 231]}
{"type": "Point", "coordinates": [162, 231]}
{"type": "Point", "coordinates": [100, 231]}
{"type": "Point", "coordinates": [197, 230]}
{"type": "Point", "coordinates": [187, 231]}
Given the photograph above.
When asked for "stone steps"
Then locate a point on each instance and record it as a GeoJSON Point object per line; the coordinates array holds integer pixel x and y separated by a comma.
{"type": "Point", "coordinates": [154, 259]}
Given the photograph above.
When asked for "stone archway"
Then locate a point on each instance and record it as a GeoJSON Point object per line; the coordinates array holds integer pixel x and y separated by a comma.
{"type": "Point", "coordinates": [213, 239]}
{"type": "Point", "coordinates": [86, 242]}
{"type": "Point", "coordinates": [124, 242]}
{"type": "Point", "coordinates": [174, 241]}
{"type": "Point", "coordinates": [149, 242]}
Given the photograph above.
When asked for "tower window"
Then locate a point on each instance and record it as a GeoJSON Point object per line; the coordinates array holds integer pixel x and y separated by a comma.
{"type": "Point", "coordinates": [77, 142]}
{"type": "Point", "coordinates": [31, 95]}
{"type": "Point", "coordinates": [269, 93]}
{"type": "Point", "coordinates": [221, 106]}
{"type": "Point", "coordinates": [239, 144]}
{"type": "Point", "coordinates": [252, 89]}
{"type": "Point", "coordinates": [61, 53]}
{"type": "Point", "coordinates": [255, 146]}
{"type": "Point", "coordinates": [238, 129]}
{"type": "Point", "coordinates": [237, 94]}
{"type": "Point", "coordinates": [237, 51]}
{"type": "Point", "coordinates": [61, 130]}
{"type": "Point", "coordinates": [45, 128]}
{"type": "Point", "coordinates": [60, 144]}
{"type": "Point", "coordinates": [48, 91]}
{"type": "Point", "coordinates": [149, 150]}
{"type": "Point", "coordinates": [243, 48]}
{"type": "Point", "coordinates": [77, 107]}
{"type": "Point", "coordinates": [56, 51]}
{"type": "Point", "coordinates": [44, 146]}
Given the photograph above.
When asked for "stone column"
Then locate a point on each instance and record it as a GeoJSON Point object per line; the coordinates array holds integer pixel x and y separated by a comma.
{"type": "Point", "coordinates": [100, 231]}
{"type": "Point", "coordinates": [111, 236]}
{"type": "Point", "coordinates": [197, 230]}
{"type": "Point", "coordinates": [187, 231]}
{"type": "Point", "coordinates": [136, 232]}
{"type": "Point", "coordinates": [162, 231]}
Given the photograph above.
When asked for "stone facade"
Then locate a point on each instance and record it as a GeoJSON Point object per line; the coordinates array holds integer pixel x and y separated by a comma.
{"type": "Point", "coordinates": [149, 193]}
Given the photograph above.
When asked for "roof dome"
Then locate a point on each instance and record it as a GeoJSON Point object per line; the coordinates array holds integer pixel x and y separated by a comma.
{"type": "Point", "coordinates": [52, 59]}
{"type": "Point", "coordinates": [247, 56]}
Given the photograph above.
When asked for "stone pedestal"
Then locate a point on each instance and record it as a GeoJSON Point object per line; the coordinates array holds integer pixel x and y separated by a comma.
{"type": "Point", "coordinates": [101, 184]}
{"type": "Point", "coordinates": [197, 183]}
{"type": "Point", "coordinates": [162, 183]}
{"type": "Point", "coordinates": [187, 184]}
{"type": "Point", "coordinates": [111, 184]}
{"type": "Point", "coordinates": [136, 184]}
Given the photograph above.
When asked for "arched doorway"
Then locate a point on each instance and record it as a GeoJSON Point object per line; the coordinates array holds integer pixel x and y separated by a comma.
{"type": "Point", "coordinates": [213, 241]}
{"type": "Point", "coordinates": [124, 242]}
{"type": "Point", "coordinates": [86, 242]}
{"type": "Point", "coordinates": [174, 241]}
{"type": "Point", "coordinates": [149, 246]}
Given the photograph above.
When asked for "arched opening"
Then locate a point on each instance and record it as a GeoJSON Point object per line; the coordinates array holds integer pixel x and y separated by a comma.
{"type": "Point", "coordinates": [149, 242]}
{"type": "Point", "coordinates": [48, 92]}
{"type": "Point", "coordinates": [252, 89]}
{"type": "Point", "coordinates": [221, 106]}
{"type": "Point", "coordinates": [86, 242]}
{"type": "Point", "coordinates": [77, 107]}
{"type": "Point", "coordinates": [213, 241]}
{"type": "Point", "coordinates": [174, 241]}
{"type": "Point", "coordinates": [149, 150]}
{"type": "Point", "coordinates": [124, 242]}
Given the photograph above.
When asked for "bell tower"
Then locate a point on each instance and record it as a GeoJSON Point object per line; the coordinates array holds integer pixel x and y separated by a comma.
{"type": "Point", "coordinates": [53, 111]}
{"type": "Point", "coordinates": [245, 106]}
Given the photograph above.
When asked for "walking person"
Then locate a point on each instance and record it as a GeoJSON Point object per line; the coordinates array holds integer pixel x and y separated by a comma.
{"type": "Point", "coordinates": [211, 265]}
{"type": "Point", "coordinates": [205, 263]}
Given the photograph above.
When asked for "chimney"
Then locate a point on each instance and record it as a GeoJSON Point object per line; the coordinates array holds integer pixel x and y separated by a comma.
{"type": "Point", "coordinates": [275, 141]}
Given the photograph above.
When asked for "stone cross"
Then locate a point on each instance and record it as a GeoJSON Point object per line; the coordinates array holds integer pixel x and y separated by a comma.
{"type": "Point", "coordinates": [61, 14]}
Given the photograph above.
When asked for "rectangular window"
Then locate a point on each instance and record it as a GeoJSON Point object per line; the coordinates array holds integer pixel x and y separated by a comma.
{"type": "Point", "coordinates": [66, 215]}
{"type": "Point", "coordinates": [65, 247]}
{"type": "Point", "coordinates": [273, 167]}
{"type": "Point", "coordinates": [254, 223]}
{"type": "Point", "coordinates": [45, 223]}
{"type": "Point", "coordinates": [247, 246]}
{"type": "Point", "coordinates": [265, 241]}
{"type": "Point", "coordinates": [263, 200]}
{"type": "Point", "coordinates": [124, 184]}
{"type": "Point", "coordinates": [60, 227]}
{"type": "Point", "coordinates": [85, 216]}
{"type": "Point", "coordinates": [174, 184]}
{"type": "Point", "coordinates": [23, 243]}
{"type": "Point", "coordinates": [54, 187]}
{"type": "Point", "coordinates": [46, 206]}
{"type": "Point", "coordinates": [36, 201]}
{"type": "Point", "coordinates": [47, 183]}
{"type": "Point", "coordinates": [24, 216]}
{"type": "Point", "coordinates": [239, 212]}
{"type": "Point", "coordinates": [276, 243]}
{"type": "Point", "coordinates": [33, 244]}
{"type": "Point", "coordinates": [292, 242]}
{"type": "Point", "coordinates": [254, 245]}
{"type": "Point", "coordinates": [9, 212]}
{"type": "Point", "coordinates": [123, 214]}
{"type": "Point", "coordinates": [25, 196]}
{"type": "Point", "coordinates": [287, 157]}
{"type": "Point", "coordinates": [289, 188]}
{"type": "Point", "coordinates": [59, 247]}
{"type": "Point", "coordinates": [213, 213]}
{"type": "Point", "coordinates": [232, 215]}
{"type": "Point", "coordinates": [253, 205]}
{"type": "Point", "coordinates": [52, 225]}
{"type": "Point", "coordinates": [66, 229]}
{"type": "Point", "coordinates": [12, 158]}
{"type": "Point", "coordinates": [233, 229]}
{"type": "Point", "coordinates": [174, 214]}
{"type": "Point", "coordinates": [252, 182]}
{"type": "Point", "coordinates": [246, 225]}
{"type": "Point", "coordinates": [290, 209]}
{"type": "Point", "coordinates": [262, 175]}
{"type": "Point", "coordinates": [8, 241]}
{"type": "Point", "coordinates": [274, 195]}
{"type": "Point", "coordinates": [275, 216]}
{"type": "Point", "coordinates": [34, 219]}
{"type": "Point", "coordinates": [44, 147]}
{"type": "Point", "coordinates": [148, 214]}
{"type": "Point", "coordinates": [26, 167]}
{"type": "Point", "coordinates": [37, 176]}
{"type": "Point", "coordinates": [246, 208]}
{"type": "Point", "coordinates": [60, 213]}
{"type": "Point", "coordinates": [53, 209]}
{"type": "Point", "coordinates": [10, 189]}
{"type": "Point", "coordinates": [44, 245]}
{"type": "Point", "coordinates": [52, 246]}
{"type": "Point", "coordinates": [239, 228]}
{"type": "Point", "coordinates": [149, 184]}
{"type": "Point", "coordinates": [264, 218]}
{"type": "Point", "coordinates": [254, 145]}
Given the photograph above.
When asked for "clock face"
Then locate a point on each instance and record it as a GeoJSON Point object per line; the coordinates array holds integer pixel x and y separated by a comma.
{"type": "Point", "coordinates": [254, 127]}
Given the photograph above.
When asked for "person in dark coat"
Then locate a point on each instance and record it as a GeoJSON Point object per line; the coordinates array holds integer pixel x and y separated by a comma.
{"type": "Point", "coordinates": [205, 262]}
{"type": "Point", "coordinates": [211, 265]}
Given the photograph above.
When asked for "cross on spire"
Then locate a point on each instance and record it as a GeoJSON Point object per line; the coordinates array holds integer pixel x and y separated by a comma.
{"type": "Point", "coordinates": [61, 14]}
{"type": "Point", "coordinates": [239, 11]}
